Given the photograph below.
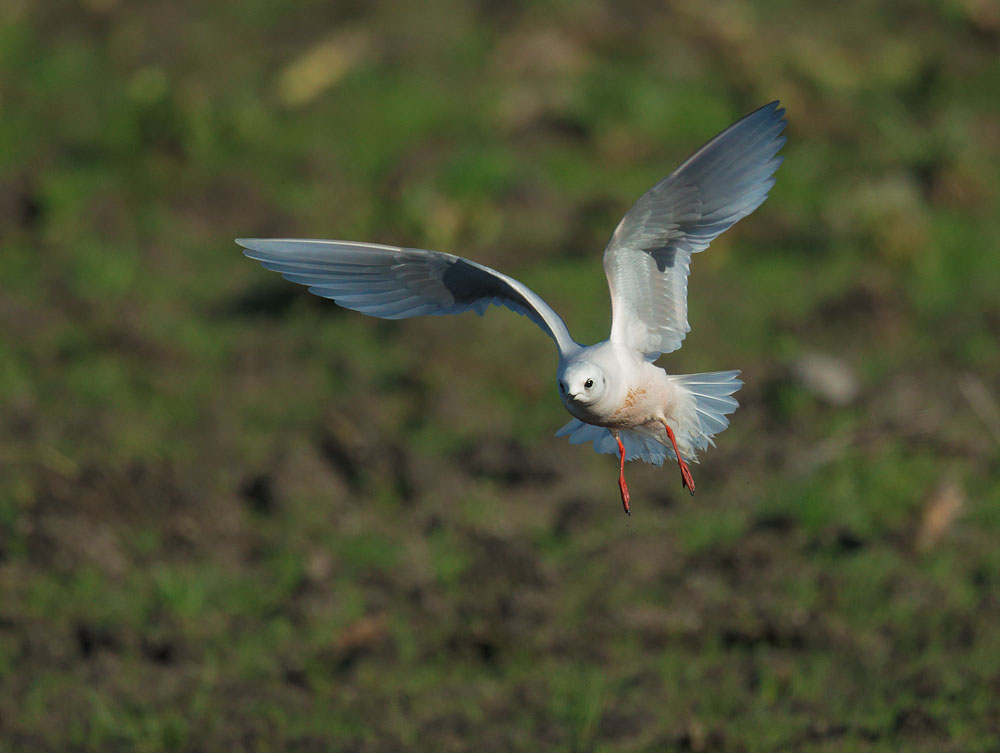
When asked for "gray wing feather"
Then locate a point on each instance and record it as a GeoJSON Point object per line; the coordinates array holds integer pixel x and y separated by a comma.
{"type": "Point", "coordinates": [648, 258]}
{"type": "Point", "coordinates": [637, 446]}
{"type": "Point", "coordinates": [397, 283]}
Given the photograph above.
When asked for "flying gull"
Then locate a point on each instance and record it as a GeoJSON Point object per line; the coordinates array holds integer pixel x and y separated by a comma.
{"type": "Point", "coordinates": [620, 400]}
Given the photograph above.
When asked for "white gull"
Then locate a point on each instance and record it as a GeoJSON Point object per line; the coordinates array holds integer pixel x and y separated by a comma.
{"type": "Point", "coordinates": [621, 401]}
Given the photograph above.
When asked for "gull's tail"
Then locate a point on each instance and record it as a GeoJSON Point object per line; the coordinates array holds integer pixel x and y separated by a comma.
{"type": "Point", "coordinates": [712, 393]}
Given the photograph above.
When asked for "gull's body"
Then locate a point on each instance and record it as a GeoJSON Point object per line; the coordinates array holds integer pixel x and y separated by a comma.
{"type": "Point", "coordinates": [620, 400]}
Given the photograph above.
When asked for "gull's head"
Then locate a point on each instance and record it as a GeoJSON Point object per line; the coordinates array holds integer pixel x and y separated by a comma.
{"type": "Point", "coordinates": [583, 383]}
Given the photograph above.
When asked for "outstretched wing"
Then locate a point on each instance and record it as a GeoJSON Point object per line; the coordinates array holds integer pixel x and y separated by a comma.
{"type": "Point", "coordinates": [648, 258]}
{"type": "Point", "coordinates": [397, 283]}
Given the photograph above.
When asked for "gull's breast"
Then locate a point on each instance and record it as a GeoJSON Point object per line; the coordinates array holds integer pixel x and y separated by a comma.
{"type": "Point", "coordinates": [633, 410]}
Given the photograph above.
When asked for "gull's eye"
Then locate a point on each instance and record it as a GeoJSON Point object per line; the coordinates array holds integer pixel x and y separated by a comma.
{"type": "Point", "coordinates": [588, 384]}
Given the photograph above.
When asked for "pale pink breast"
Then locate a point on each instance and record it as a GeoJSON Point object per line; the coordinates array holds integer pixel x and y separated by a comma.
{"type": "Point", "coordinates": [641, 404]}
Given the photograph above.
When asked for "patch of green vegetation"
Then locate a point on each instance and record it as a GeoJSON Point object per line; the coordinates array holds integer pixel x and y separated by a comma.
{"type": "Point", "coordinates": [235, 517]}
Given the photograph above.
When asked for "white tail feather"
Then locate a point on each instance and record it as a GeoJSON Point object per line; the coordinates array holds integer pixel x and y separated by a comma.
{"type": "Point", "coordinates": [712, 393]}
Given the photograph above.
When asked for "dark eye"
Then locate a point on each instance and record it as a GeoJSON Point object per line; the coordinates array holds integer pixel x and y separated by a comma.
{"type": "Point", "coordinates": [588, 384]}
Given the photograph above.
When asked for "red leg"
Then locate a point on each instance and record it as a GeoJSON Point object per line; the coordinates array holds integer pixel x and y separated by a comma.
{"type": "Point", "coordinates": [686, 478]}
{"type": "Point", "coordinates": [622, 486]}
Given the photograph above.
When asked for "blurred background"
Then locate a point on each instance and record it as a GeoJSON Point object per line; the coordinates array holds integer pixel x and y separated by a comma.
{"type": "Point", "coordinates": [234, 517]}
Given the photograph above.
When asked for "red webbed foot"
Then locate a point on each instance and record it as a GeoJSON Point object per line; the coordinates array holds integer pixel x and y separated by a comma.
{"type": "Point", "coordinates": [687, 480]}
{"type": "Point", "coordinates": [622, 486]}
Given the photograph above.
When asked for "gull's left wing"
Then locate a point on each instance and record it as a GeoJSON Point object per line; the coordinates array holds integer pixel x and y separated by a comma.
{"type": "Point", "coordinates": [398, 283]}
{"type": "Point", "coordinates": [649, 255]}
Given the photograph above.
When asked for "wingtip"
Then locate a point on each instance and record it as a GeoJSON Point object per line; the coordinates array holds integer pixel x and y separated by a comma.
{"type": "Point", "coordinates": [249, 250]}
{"type": "Point", "coordinates": [254, 247]}
{"type": "Point", "coordinates": [774, 110]}
{"type": "Point", "coordinates": [779, 115]}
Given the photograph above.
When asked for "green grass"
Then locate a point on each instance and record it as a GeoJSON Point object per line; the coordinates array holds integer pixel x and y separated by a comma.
{"type": "Point", "coordinates": [234, 517]}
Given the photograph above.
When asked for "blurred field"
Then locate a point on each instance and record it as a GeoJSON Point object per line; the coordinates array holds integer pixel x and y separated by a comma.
{"type": "Point", "coordinates": [234, 517]}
